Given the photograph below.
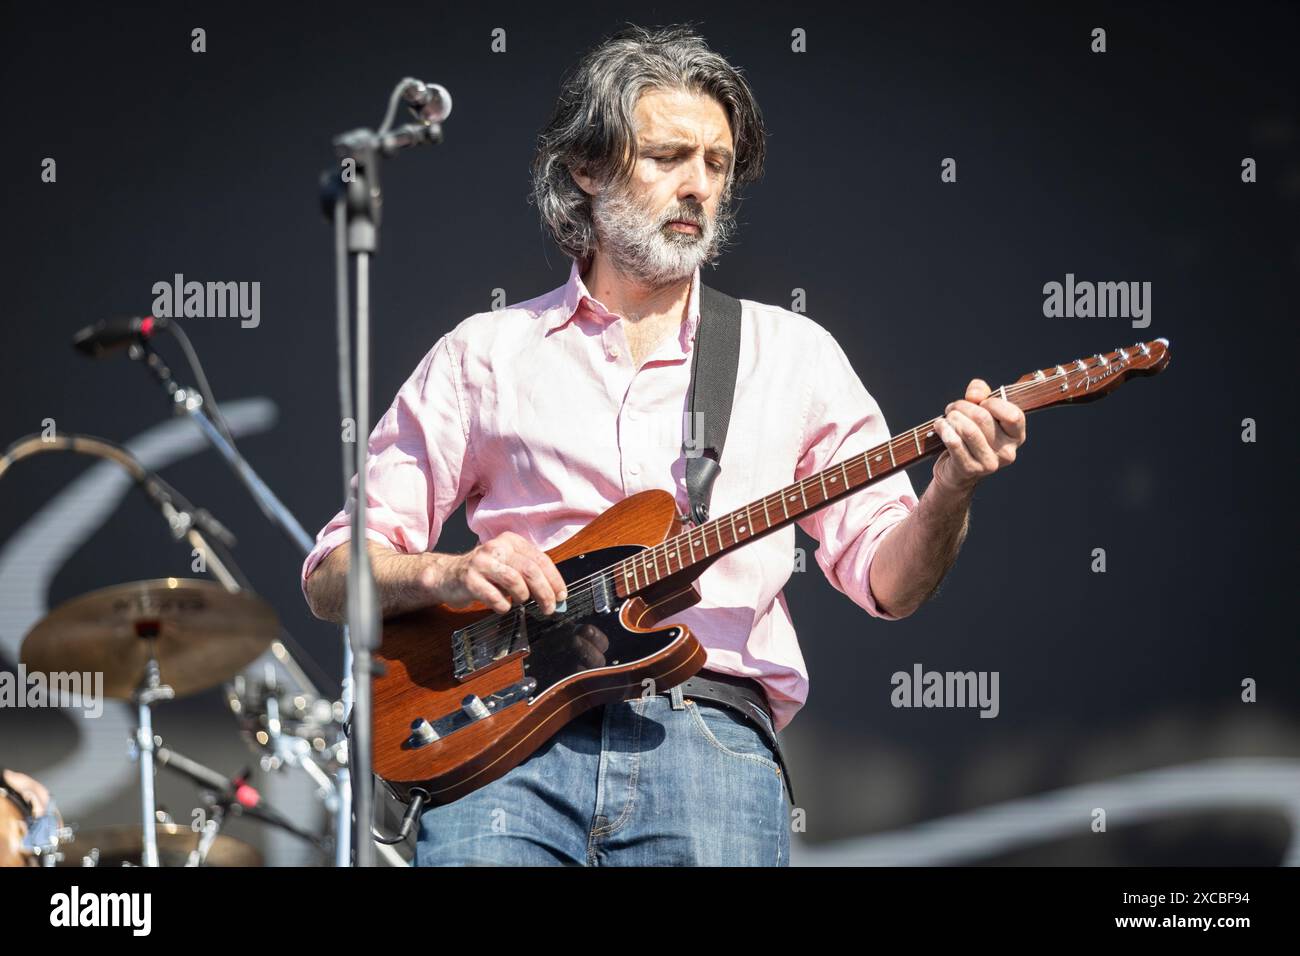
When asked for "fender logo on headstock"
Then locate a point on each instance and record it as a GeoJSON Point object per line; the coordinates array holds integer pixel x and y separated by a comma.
{"type": "Point", "coordinates": [1111, 368]}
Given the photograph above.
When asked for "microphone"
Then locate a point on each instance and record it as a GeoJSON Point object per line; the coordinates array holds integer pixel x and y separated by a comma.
{"type": "Point", "coordinates": [238, 793]}
{"type": "Point", "coordinates": [112, 335]}
{"type": "Point", "coordinates": [244, 795]}
{"type": "Point", "coordinates": [429, 102]}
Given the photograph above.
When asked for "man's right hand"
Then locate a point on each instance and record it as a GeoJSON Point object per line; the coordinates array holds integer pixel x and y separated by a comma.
{"type": "Point", "coordinates": [500, 572]}
{"type": "Point", "coordinates": [497, 572]}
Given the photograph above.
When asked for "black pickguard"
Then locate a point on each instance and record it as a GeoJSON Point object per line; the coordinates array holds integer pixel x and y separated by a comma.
{"type": "Point", "coordinates": [556, 651]}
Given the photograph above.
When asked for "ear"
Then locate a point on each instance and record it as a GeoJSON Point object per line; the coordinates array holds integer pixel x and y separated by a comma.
{"type": "Point", "coordinates": [585, 182]}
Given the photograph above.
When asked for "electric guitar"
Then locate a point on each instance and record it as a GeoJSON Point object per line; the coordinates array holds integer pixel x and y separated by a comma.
{"type": "Point", "coordinates": [465, 695]}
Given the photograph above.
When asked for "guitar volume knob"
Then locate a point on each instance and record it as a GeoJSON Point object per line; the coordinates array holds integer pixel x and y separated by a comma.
{"type": "Point", "coordinates": [473, 705]}
{"type": "Point", "coordinates": [422, 732]}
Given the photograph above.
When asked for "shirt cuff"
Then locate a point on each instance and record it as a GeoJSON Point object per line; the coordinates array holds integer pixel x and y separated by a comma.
{"type": "Point", "coordinates": [893, 514]}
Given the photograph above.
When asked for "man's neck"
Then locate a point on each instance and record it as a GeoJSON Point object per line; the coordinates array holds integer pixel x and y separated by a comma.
{"type": "Point", "coordinates": [632, 300]}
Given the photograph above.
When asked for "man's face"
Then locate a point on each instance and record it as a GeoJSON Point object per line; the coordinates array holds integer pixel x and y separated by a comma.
{"type": "Point", "coordinates": [673, 215]}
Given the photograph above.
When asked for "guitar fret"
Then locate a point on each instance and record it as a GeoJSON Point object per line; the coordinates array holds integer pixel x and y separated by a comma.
{"type": "Point", "coordinates": [916, 437]}
{"type": "Point", "coordinates": [892, 463]}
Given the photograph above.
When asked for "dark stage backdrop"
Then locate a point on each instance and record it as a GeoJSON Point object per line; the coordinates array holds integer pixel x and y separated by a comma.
{"type": "Point", "coordinates": [1120, 690]}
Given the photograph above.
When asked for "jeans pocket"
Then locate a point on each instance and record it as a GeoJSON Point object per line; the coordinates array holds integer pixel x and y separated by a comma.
{"type": "Point", "coordinates": [731, 733]}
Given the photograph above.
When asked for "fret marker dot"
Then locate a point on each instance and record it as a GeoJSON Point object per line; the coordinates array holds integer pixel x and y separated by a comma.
{"type": "Point", "coordinates": [878, 457]}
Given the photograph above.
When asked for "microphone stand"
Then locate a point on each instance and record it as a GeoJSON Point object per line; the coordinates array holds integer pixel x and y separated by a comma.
{"type": "Point", "coordinates": [188, 401]}
{"type": "Point", "coordinates": [351, 196]}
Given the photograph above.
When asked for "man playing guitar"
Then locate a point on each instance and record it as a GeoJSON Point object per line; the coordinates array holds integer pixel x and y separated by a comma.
{"type": "Point", "coordinates": [542, 415]}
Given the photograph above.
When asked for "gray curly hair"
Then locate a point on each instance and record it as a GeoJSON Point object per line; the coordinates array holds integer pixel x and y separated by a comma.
{"type": "Point", "coordinates": [593, 129]}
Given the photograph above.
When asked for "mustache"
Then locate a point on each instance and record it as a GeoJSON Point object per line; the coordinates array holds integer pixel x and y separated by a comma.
{"type": "Point", "coordinates": [696, 219]}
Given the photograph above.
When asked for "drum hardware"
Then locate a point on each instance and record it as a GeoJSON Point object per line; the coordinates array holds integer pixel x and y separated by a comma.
{"type": "Point", "coordinates": [197, 632]}
{"type": "Point", "coordinates": [176, 846]}
{"type": "Point", "coordinates": [201, 407]}
{"type": "Point", "coordinates": [225, 796]}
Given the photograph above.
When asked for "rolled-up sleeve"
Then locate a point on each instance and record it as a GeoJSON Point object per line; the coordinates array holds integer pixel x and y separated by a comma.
{"type": "Point", "coordinates": [418, 465]}
{"type": "Point", "coordinates": [843, 420]}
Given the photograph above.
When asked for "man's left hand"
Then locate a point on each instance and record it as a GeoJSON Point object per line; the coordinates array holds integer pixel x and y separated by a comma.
{"type": "Point", "coordinates": [980, 434]}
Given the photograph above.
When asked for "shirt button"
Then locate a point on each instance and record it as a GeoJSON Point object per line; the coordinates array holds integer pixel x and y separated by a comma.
{"type": "Point", "coordinates": [613, 351]}
{"type": "Point", "coordinates": [633, 469]}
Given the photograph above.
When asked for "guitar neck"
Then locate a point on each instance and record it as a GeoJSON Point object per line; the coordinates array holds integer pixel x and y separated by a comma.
{"type": "Point", "coordinates": [1083, 380]}
{"type": "Point", "coordinates": [717, 536]}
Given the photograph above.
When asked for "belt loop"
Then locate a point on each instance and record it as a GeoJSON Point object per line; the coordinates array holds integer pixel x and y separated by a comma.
{"type": "Point", "coordinates": [675, 697]}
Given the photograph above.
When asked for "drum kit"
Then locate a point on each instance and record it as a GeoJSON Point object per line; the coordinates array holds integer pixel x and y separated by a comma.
{"type": "Point", "coordinates": [156, 641]}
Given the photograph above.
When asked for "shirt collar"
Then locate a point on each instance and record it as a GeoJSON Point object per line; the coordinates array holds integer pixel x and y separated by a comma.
{"type": "Point", "coordinates": [576, 298]}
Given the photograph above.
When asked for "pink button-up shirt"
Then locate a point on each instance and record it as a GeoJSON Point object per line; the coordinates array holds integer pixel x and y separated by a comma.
{"type": "Point", "coordinates": [537, 419]}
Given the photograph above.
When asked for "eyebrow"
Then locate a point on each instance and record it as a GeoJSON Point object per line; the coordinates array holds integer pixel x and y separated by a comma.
{"type": "Point", "coordinates": [679, 146]}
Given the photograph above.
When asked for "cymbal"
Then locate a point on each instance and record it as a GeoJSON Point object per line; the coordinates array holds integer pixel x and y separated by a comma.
{"type": "Point", "coordinates": [200, 633]}
{"type": "Point", "coordinates": [124, 844]}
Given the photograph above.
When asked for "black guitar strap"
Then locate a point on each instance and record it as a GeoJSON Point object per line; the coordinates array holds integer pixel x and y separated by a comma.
{"type": "Point", "coordinates": [711, 393]}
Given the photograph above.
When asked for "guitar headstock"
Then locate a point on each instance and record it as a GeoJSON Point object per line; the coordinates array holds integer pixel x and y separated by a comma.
{"type": "Point", "coordinates": [1085, 380]}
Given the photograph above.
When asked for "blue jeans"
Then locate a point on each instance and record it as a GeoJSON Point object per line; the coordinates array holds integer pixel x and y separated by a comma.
{"type": "Point", "coordinates": [637, 783]}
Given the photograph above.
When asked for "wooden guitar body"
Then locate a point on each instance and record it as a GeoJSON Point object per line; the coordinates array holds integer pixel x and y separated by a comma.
{"type": "Point", "coordinates": [531, 688]}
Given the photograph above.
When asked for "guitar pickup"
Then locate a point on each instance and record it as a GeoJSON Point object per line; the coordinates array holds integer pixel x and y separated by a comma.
{"type": "Point", "coordinates": [471, 653]}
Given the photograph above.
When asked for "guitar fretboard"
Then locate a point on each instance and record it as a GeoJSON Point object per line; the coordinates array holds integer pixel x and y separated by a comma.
{"type": "Point", "coordinates": [774, 511]}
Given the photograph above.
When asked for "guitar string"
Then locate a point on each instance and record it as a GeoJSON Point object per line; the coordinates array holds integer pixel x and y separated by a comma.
{"type": "Point", "coordinates": [579, 589]}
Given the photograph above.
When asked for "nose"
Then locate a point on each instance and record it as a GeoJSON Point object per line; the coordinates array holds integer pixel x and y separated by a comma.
{"type": "Point", "coordinates": [695, 182]}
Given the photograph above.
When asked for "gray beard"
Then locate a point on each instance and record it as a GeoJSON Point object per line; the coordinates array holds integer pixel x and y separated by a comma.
{"type": "Point", "coordinates": [643, 248]}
